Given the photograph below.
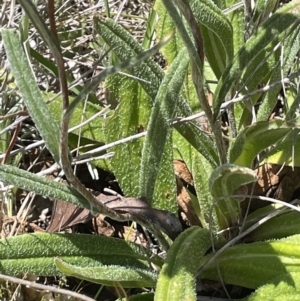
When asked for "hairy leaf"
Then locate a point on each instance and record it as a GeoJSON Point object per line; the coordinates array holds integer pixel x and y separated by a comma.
{"type": "Point", "coordinates": [159, 125]}
{"type": "Point", "coordinates": [176, 280]}
{"type": "Point", "coordinates": [35, 253]}
{"type": "Point", "coordinates": [111, 275]}
{"type": "Point", "coordinates": [32, 96]}
{"type": "Point", "coordinates": [268, 32]}
{"type": "Point", "coordinates": [252, 265]}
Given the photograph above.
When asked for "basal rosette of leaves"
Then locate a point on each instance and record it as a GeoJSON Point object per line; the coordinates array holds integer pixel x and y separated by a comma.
{"type": "Point", "coordinates": [207, 42]}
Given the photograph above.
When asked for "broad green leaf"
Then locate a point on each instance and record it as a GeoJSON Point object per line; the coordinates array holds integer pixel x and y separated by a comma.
{"type": "Point", "coordinates": [159, 126]}
{"type": "Point", "coordinates": [35, 253]}
{"type": "Point", "coordinates": [176, 280]}
{"type": "Point", "coordinates": [125, 46]}
{"type": "Point", "coordinates": [252, 265]}
{"type": "Point", "coordinates": [32, 96]}
{"type": "Point", "coordinates": [269, 31]}
{"type": "Point", "coordinates": [283, 287]}
{"type": "Point", "coordinates": [112, 275]}
{"type": "Point", "coordinates": [255, 138]}
{"type": "Point", "coordinates": [217, 34]}
{"type": "Point", "coordinates": [150, 76]}
{"type": "Point", "coordinates": [130, 117]}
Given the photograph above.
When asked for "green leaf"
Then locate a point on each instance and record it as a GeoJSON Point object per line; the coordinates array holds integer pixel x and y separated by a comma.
{"type": "Point", "coordinates": [291, 49]}
{"type": "Point", "coordinates": [267, 33]}
{"type": "Point", "coordinates": [164, 26]}
{"type": "Point", "coordinates": [283, 287]}
{"type": "Point", "coordinates": [109, 275]}
{"type": "Point", "coordinates": [201, 171]}
{"type": "Point", "coordinates": [289, 222]}
{"type": "Point", "coordinates": [150, 76]}
{"type": "Point", "coordinates": [223, 183]}
{"type": "Point", "coordinates": [127, 63]}
{"type": "Point", "coordinates": [35, 253]}
{"type": "Point", "coordinates": [93, 131]}
{"type": "Point", "coordinates": [150, 30]}
{"type": "Point", "coordinates": [262, 11]}
{"type": "Point", "coordinates": [217, 34]}
{"type": "Point", "coordinates": [32, 96]}
{"type": "Point", "coordinates": [130, 117]}
{"type": "Point", "coordinates": [125, 47]}
{"type": "Point", "coordinates": [271, 97]}
{"type": "Point", "coordinates": [252, 265]}
{"type": "Point", "coordinates": [29, 181]}
{"type": "Point", "coordinates": [237, 20]}
{"type": "Point", "coordinates": [261, 71]}
{"type": "Point", "coordinates": [255, 138]}
{"type": "Point", "coordinates": [286, 151]}
{"type": "Point", "coordinates": [40, 25]}
{"type": "Point", "coordinates": [159, 125]}
{"type": "Point", "coordinates": [176, 280]}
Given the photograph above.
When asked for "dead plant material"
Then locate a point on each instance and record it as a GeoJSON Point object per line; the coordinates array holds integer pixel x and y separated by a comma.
{"type": "Point", "coordinates": [185, 203]}
{"type": "Point", "coordinates": [65, 215]}
{"type": "Point", "coordinates": [185, 178]}
{"type": "Point", "coordinates": [182, 172]}
{"type": "Point", "coordinates": [275, 181]}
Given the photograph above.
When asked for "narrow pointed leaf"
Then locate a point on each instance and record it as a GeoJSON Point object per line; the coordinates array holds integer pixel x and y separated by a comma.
{"type": "Point", "coordinates": [29, 181]}
{"type": "Point", "coordinates": [32, 96]}
{"type": "Point", "coordinates": [159, 125]}
{"type": "Point", "coordinates": [217, 34]}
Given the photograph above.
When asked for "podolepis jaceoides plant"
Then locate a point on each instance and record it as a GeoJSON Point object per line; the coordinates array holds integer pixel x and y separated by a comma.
{"type": "Point", "coordinates": [242, 56]}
